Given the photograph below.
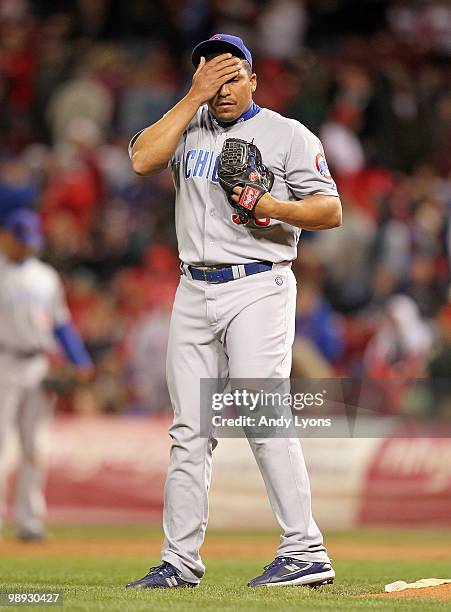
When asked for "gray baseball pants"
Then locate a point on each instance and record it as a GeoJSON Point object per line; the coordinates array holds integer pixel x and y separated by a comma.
{"type": "Point", "coordinates": [26, 407]}
{"type": "Point", "coordinates": [240, 329]}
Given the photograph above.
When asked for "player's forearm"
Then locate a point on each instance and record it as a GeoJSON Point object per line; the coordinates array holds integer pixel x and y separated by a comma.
{"type": "Point", "coordinates": [72, 345]}
{"type": "Point", "coordinates": [155, 146]}
{"type": "Point", "coordinates": [316, 212]}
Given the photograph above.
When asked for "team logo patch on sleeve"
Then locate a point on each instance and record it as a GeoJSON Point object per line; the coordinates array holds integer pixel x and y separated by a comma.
{"type": "Point", "coordinates": [322, 167]}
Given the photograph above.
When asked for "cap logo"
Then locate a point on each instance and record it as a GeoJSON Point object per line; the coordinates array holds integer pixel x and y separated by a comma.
{"type": "Point", "coordinates": [215, 37]}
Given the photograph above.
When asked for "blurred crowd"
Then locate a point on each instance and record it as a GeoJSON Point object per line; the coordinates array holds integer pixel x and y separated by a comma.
{"type": "Point", "coordinates": [372, 78]}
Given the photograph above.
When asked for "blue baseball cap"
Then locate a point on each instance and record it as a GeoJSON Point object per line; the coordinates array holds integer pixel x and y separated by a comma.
{"type": "Point", "coordinates": [225, 43]}
{"type": "Point", "coordinates": [25, 226]}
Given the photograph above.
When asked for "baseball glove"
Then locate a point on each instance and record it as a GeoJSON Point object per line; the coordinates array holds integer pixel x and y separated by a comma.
{"type": "Point", "coordinates": [64, 381]}
{"type": "Point", "coordinates": [60, 383]}
{"type": "Point", "coordinates": [241, 165]}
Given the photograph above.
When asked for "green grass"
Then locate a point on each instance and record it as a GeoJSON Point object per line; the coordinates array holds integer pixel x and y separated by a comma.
{"type": "Point", "coordinates": [95, 584]}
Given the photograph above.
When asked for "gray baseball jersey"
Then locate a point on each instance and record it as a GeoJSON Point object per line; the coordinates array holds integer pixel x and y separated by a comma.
{"type": "Point", "coordinates": [208, 231]}
{"type": "Point", "coordinates": [32, 303]}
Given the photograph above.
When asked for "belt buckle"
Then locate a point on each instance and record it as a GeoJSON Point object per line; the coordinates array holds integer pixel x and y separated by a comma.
{"type": "Point", "coordinates": [212, 282]}
{"type": "Point", "coordinates": [205, 270]}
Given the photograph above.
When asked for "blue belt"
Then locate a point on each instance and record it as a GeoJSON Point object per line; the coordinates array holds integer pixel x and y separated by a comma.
{"type": "Point", "coordinates": [228, 273]}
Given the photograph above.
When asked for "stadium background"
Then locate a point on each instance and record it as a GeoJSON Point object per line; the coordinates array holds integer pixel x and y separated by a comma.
{"type": "Point", "coordinates": [372, 79]}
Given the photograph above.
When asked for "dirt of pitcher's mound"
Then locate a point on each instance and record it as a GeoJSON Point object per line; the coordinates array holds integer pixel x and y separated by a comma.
{"type": "Point", "coordinates": [442, 592]}
{"type": "Point", "coordinates": [233, 547]}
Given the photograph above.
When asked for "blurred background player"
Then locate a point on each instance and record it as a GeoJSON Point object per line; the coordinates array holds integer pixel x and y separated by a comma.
{"type": "Point", "coordinates": [33, 313]}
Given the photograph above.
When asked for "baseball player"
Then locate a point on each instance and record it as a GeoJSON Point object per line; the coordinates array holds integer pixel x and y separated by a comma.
{"type": "Point", "coordinates": [234, 310]}
{"type": "Point", "coordinates": [33, 313]}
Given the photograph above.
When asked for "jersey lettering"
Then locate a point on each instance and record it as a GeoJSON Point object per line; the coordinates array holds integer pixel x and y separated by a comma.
{"type": "Point", "coordinates": [209, 166]}
{"type": "Point", "coordinates": [201, 162]}
{"type": "Point", "coordinates": [198, 164]}
{"type": "Point", "coordinates": [189, 156]}
{"type": "Point", "coordinates": [214, 177]}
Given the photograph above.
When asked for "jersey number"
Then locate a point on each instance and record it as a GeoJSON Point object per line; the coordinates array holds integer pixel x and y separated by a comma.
{"type": "Point", "coordinates": [262, 222]}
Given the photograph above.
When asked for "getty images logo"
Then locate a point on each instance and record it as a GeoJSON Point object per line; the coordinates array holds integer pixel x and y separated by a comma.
{"type": "Point", "coordinates": [253, 400]}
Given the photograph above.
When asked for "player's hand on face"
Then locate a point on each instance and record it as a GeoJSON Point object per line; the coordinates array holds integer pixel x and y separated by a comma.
{"type": "Point", "coordinates": [211, 76]}
{"type": "Point", "coordinates": [264, 205]}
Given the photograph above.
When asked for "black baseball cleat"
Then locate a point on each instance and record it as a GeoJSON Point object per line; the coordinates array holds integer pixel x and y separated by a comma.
{"type": "Point", "coordinates": [31, 536]}
{"type": "Point", "coordinates": [164, 576]}
{"type": "Point", "coordinates": [286, 571]}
